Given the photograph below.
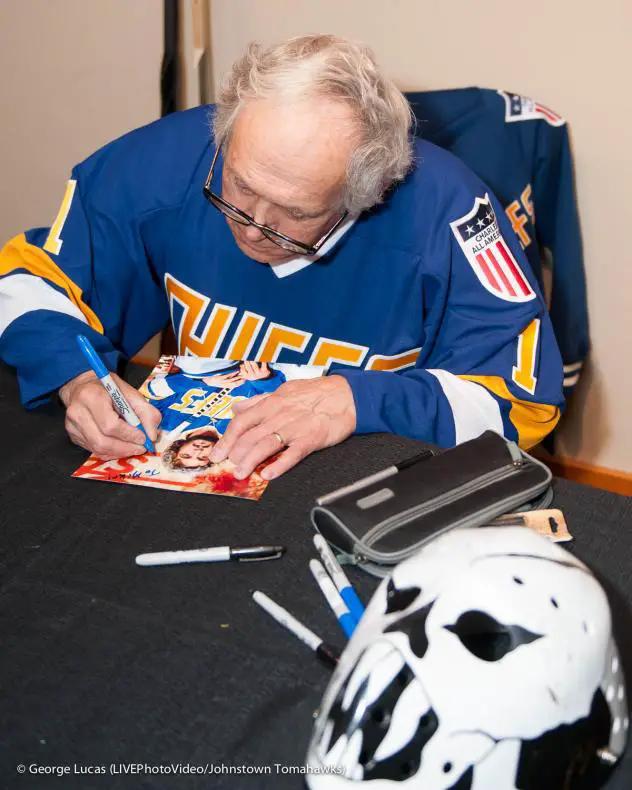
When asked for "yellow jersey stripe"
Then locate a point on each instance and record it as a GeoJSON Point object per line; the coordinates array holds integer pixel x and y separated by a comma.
{"type": "Point", "coordinates": [532, 421]}
{"type": "Point", "coordinates": [20, 254]}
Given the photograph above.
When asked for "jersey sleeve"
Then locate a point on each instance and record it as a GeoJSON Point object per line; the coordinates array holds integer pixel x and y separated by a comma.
{"type": "Point", "coordinates": [558, 232]}
{"type": "Point", "coordinates": [89, 273]}
{"type": "Point", "coordinates": [489, 359]}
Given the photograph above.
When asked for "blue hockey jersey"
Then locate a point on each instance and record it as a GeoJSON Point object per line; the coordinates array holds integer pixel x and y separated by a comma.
{"type": "Point", "coordinates": [425, 304]}
{"type": "Point", "coordinates": [522, 150]}
{"type": "Point", "coordinates": [188, 402]}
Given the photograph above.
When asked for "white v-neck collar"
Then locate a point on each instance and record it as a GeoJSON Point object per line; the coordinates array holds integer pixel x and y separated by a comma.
{"type": "Point", "coordinates": [293, 265]}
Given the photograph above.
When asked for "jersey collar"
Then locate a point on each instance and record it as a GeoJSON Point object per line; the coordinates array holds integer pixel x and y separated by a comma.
{"type": "Point", "coordinates": [293, 265]}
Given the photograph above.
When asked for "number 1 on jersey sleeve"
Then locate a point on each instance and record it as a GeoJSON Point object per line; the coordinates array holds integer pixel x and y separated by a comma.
{"type": "Point", "coordinates": [523, 372]}
{"type": "Point", "coordinates": [54, 241]}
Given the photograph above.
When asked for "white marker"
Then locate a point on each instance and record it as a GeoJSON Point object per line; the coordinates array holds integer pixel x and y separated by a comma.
{"type": "Point", "coordinates": [215, 554]}
{"type": "Point", "coordinates": [327, 653]}
{"type": "Point", "coordinates": [348, 594]}
{"type": "Point", "coordinates": [334, 599]}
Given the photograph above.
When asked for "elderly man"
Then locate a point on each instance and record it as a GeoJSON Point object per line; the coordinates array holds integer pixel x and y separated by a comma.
{"type": "Point", "coordinates": [311, 230]}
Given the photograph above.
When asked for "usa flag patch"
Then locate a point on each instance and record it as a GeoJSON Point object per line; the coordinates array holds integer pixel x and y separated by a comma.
{"type": "Point", "coordinates": [488, 254]}
{"type": "Point", "coordinates": [521, 108]}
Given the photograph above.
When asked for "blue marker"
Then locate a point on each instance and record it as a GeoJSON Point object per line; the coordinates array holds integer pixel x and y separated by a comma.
{"type": "Point", "coordinates": [343, 585]}
{"type": "Point", "coordinates": [118, 399]}
{"type": "Point", "coordinates": [338, 606]}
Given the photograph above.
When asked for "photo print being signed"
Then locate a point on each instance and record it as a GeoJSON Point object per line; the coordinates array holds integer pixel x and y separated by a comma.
{"type": "Point", "coordinates": [195, 397]}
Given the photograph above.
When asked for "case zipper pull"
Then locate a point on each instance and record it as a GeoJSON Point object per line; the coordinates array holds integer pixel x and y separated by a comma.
{"type": "Point", "coordinates": [515, 453]}
{"type": "Point", "coordinates": [351, 559]}
{"type": "Point", "coordinates": [346, 559]}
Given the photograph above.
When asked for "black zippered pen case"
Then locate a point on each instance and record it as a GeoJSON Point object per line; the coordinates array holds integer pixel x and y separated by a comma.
{"type": "Point", "coordinates": [383, 519]}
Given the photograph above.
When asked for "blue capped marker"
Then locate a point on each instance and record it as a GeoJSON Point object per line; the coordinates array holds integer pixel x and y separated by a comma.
{"type": "Point", "coordinates": [338, 606]}
{"type": "Point", "coordinates": [343, 585]}
{"type": "Point", "coordinates": [118, 399]}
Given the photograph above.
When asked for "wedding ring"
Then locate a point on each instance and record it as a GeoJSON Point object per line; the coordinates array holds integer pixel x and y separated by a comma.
{"type": "Point", "coordinates": [279, 437]}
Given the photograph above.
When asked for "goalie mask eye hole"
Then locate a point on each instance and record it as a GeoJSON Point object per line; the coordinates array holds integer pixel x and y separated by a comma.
{"type": "Point", "coordinates": [398, 600]}
{"type": "Point", "coordinates": [488, 639]}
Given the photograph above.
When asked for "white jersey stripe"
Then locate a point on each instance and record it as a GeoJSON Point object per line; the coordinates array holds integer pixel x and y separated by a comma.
{"type": "Point", "coordinates": [573, 367]}
{"type": "Point", "coordinates": [473, 408]}
{"type": "Point", "coordinates": [570, 381]}
{"type": "Point", "coordinates": [23, 293]}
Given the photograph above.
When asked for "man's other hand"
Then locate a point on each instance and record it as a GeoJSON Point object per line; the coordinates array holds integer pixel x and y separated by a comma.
{"type": "Point", "coordinates": [298, 418]}
{"type": "Point", "coordinates": [252, 371]}
{"type": "Point", "coordinates": [92, 421]}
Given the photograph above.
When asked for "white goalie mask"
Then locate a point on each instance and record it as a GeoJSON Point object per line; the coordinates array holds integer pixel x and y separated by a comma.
{"type": "Point", "coordinates": [486, 662]}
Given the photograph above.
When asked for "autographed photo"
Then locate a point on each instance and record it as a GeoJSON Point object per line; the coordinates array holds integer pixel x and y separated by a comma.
{"type": "Point", "coordinates": [195, 397]}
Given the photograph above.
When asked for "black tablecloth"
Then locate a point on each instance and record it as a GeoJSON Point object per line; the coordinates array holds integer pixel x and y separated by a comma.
{"type": "Point", "coordinates": [106, 663]}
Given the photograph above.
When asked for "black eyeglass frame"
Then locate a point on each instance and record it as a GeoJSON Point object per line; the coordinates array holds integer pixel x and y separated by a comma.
{"type": "Point", "coordinates": [280, 239]}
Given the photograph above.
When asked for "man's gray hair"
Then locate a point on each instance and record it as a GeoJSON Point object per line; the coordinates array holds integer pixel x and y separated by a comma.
{"type": "Point", "coordinates": [334, 68]}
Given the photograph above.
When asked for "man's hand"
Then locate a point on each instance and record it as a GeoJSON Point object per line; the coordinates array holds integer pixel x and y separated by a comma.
{"type": "Point", "coordinates": [224, 380]}
{"type": "Point", "coordinates": [252, 371]}
{"type": "Point", "coordinates": [301, 416]}
{"type": "Point", "coordinates": [93, 423]}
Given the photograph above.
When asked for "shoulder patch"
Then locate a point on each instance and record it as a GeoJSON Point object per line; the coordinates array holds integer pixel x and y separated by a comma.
{"type": "Point", "coordinates": [520, 108]}
{"type": "Point", "coordinates": [488, 254]}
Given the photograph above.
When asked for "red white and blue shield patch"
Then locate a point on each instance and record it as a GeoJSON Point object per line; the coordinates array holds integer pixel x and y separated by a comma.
{"type": "Point", "coordinates": [521, 108]}
{"type": "Point", "coordinates": [489, 255]}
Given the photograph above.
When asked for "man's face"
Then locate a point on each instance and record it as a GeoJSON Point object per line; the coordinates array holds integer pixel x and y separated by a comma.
{"type": "Point", "coordinates": [285, 167]}
{"type": "Point", "coordinates": [195, 453]}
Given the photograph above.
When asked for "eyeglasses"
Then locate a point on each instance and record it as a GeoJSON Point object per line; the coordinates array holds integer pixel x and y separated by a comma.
{"type": "Point", "coordinates": [280, 239]}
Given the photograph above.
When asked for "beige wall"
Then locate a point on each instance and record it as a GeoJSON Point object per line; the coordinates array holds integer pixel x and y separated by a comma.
{"type": "Point", "coordinates": [75, 74]}
{"type": "Point", "coordinates": [573, 57]}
